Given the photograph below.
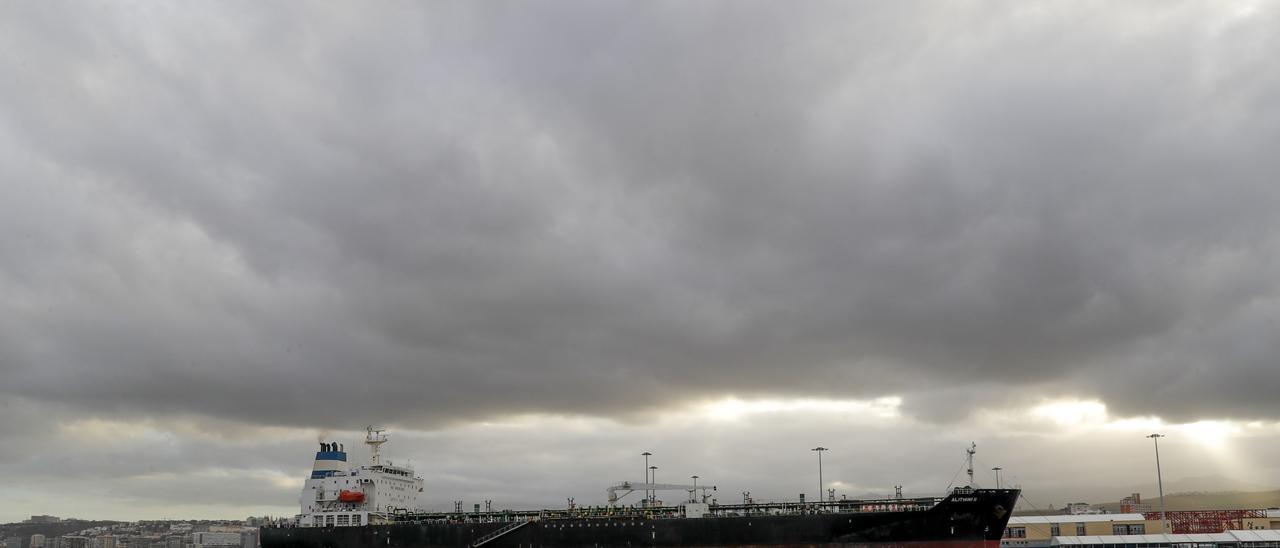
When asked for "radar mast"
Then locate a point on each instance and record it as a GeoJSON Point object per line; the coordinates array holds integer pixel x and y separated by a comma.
{"type": "Point", "coordinates": [973, 448]}
{"type": "Point", "coordinates": [374, 439]}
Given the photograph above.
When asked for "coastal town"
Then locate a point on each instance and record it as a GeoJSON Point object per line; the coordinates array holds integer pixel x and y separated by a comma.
{"type": "Point", "coordinates": [45, 531]}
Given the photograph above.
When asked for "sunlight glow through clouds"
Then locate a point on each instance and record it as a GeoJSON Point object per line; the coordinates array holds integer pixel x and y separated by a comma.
{"type": "Point", "coordinates": [114, 432]}
{"type": "Point", "coordinates": [733, 409]}
{"type": "Point", "coordinates": [1212, 434]}
{"type": "Point", "coordinates": [161, 431]}
{"type": "Point", "coordinates": [1091, 415]}
{"type": "Point", "coordinates": [1072, 412]}
{"type": "Point", "coordinates": [729, 409]}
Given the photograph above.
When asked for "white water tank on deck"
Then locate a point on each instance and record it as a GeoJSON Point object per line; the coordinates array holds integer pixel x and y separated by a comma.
{"type": "Point", "coordinates": [696, 509]}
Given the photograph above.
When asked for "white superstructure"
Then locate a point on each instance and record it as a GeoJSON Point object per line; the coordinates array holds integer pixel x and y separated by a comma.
{"type": "Point", "coordinates": [339, 495]}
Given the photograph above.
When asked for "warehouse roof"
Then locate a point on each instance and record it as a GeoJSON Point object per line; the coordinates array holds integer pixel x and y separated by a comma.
{"type": "Point", "coordinates": [1254, 535]}
{"type": "Point", "coordinates": [1074, 518]}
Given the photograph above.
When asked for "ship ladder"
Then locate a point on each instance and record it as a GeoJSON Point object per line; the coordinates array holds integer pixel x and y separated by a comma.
{"type": "Point", "coordinates": [499, 533]}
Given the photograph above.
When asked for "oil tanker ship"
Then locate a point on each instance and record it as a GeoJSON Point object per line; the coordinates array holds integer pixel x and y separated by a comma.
{"type": "Point", "coordinates": [375, 505]}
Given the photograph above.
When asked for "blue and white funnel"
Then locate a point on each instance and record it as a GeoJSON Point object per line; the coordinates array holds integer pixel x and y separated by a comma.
{"type": "Point", "coordinates": [330, 459]}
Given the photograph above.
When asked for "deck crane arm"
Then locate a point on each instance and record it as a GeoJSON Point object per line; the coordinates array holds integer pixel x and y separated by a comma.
{"type": "Point", "coordinates": [627, 487]}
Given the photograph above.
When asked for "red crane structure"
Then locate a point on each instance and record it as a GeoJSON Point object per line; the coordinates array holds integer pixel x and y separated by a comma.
{"type": "Point", "coordinates": [1205, 521]}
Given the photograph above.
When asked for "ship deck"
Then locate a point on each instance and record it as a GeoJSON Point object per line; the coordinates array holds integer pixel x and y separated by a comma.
{"type": "Point", "coordinates": [675, 512]}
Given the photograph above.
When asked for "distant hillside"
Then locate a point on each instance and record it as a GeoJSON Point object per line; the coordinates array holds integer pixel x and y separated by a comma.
{"type": "Point", "coordinates": [1200, 492]}
{"type": "Point", "coordinates": [25, 530]}
{"type": "Point", "coordinates": [1223, 500]}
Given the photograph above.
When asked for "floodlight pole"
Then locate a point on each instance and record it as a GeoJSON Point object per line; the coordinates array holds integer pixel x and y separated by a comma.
{"type": "Point", "coordinates": [653, 494]}
{"type": "Point", "coordinates": [821, 488]}
{"type": "Point", "coordinates": [646, 475]}
{"type": "Point", "coordinates": [1164, 524]}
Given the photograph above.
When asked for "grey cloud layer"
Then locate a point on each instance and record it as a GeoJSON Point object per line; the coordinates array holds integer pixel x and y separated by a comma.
{"type": "Point", "coordinates": [332, 216]}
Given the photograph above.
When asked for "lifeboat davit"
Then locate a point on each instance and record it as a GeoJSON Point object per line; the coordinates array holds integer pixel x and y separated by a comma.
{"type": "Point", "coordinates": [350, 496]}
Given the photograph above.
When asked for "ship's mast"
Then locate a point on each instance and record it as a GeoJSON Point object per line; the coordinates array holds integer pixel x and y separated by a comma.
{"type": "Point", "coordinates": [375, 438]}
{"type": "Point", "coordinates": [973, 448]}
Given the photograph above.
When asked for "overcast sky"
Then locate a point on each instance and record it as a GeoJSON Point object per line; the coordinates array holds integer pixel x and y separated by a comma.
{"type": "Point", "coordinates": [534, 239]}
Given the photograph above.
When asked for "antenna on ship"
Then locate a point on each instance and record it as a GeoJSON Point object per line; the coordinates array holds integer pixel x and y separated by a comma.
{"type": "Point", "coordinates": [376, 438]}
{"type": "Point", "coordinates": [973, 448]}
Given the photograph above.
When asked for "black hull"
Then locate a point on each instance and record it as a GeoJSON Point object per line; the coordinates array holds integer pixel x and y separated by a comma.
{"type": "Point", "coordinates": [973, 520]}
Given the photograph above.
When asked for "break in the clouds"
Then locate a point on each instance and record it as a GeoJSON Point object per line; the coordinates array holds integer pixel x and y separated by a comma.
{"type": "Point", "coordinates": [326, 215]}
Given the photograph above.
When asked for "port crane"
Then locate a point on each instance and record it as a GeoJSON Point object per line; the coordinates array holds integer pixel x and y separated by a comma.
{"type": "Point", "coordinates": [629, 487]}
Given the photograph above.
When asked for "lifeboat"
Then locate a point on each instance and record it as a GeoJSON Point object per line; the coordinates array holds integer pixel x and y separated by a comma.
{"type": "Point", "coordinates": [350, 496]}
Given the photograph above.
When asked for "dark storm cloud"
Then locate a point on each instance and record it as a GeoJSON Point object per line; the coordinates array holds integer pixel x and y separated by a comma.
{"type": "Point", "coordinates": [319, 215]}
